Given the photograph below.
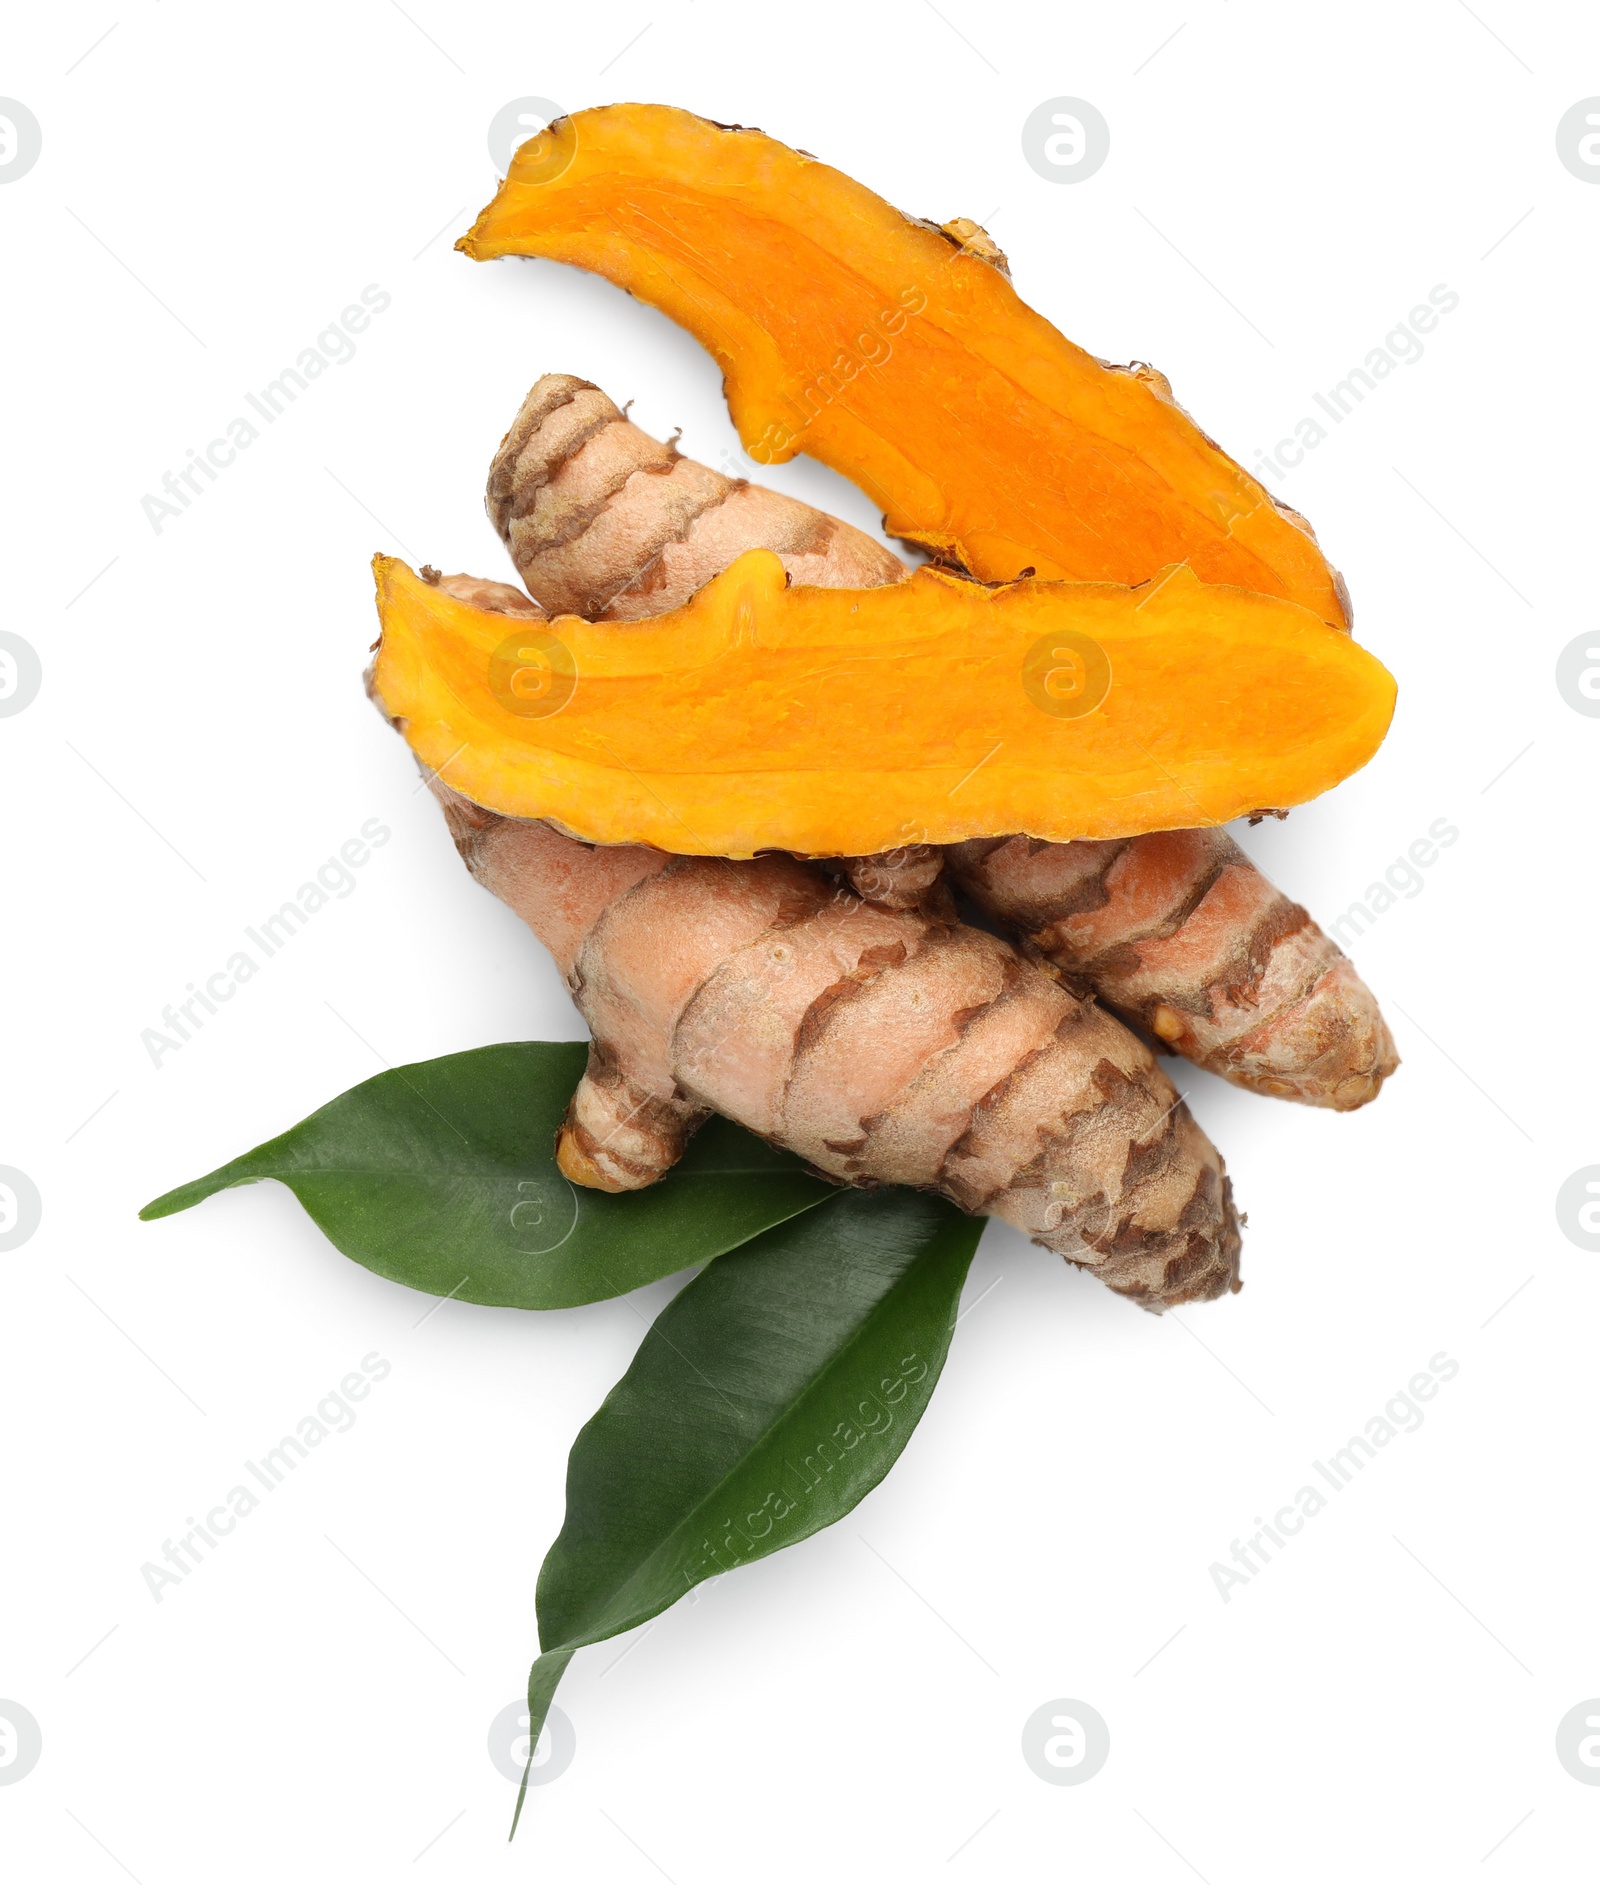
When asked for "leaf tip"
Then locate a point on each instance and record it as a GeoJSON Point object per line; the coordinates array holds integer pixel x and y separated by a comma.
{"type": "Point", "coordinates": [166, 1205]}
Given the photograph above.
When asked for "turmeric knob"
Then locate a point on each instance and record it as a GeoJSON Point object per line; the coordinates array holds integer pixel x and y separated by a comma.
{"type": "Point", "coordinates": [1166, 1022]}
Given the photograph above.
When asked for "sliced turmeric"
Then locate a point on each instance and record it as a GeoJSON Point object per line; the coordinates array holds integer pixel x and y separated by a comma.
{"type": "Point", "coordinates": [838, 721]}
{"type": "Point", "coordinates": [899, 354]}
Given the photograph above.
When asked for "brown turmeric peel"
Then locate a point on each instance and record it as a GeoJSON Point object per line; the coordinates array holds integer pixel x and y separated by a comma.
{"type": "Point", "coordinates": [898, 353]}
{"type": "Point", "coordinates": [1179, 933]}
{"type": "Point", "coordinates": [605, 522]}
{"type": "Point", "coordinates": [833, 721]}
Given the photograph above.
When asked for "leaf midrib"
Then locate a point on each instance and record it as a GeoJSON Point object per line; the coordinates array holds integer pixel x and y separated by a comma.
{"type": "Point", "coordinates": [788, 1415]}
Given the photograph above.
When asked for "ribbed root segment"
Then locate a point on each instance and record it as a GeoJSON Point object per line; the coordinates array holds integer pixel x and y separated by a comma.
{"type": "Point", "coordinates": [882, 1046]}
{"type": "Point", "coordinates": [1179, 933]}
{"type": "Point", "coordinates": [606, 522]}
{"type": "Point", "coordinates": [1194, 1259]}
{"type": "Point", "coordinates": [617, 1138]}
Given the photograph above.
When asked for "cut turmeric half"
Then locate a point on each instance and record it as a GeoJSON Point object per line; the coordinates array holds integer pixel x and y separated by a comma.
{"type": "Point", "coordinates": [846, 721]}
{"type": "Point", "coordinates": [899, 354]}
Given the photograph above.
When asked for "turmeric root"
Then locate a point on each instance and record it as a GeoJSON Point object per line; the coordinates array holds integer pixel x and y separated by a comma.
{"type": "Point", "coordinates": [1180, 933]}
{"type": "Point", "coordinates": [884, 1047]}
{"type": "Point", "coordinates": [590, 536]}
{"type": "Point", "coordinates": [899, 354]}
{"type": "Point", "coordinates": [1177, 931]}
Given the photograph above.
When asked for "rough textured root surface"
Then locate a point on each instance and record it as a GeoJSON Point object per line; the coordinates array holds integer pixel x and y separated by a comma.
{"type": "Point", "coordinates": [883, 1045]}
{"type": "Point", "coordinates": [605, 522]}
{"type": "Point", "coordinates": [1179, 932]}
{"type": "Point", "coordinates": [618, 1135]}
{"type": "Point", "coordinates": [911, 878]}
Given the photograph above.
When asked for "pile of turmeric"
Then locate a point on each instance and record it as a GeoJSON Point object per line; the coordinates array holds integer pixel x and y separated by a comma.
{"type": "Point", "coordinates": [758, 892]}
{"type": "Point", "coordinates": [913, 872]}
{"type": "Point", "coordinates": [840, 1007]}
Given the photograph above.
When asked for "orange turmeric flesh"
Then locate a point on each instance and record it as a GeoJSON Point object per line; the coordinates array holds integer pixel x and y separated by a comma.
{"type": "Point", "coordinates": [846, 721]}
{"type": "Point", "coordinates": [900, 356]}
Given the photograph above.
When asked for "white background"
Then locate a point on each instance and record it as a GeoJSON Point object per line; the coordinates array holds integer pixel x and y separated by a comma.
{"type": "Point", "coordinates": [1283, 186]}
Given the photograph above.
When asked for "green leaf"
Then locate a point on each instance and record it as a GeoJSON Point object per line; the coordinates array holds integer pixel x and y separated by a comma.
{"type": "Point", "coordinates": [769, 1397]}
{"type": "Point", "coordinates": [442, 1176]}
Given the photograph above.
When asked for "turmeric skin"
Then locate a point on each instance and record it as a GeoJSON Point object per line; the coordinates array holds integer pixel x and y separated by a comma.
{"type": "Point", "coordinates": [603, 521]}
{"type": "Point", "coordinates": [1179, 933]}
